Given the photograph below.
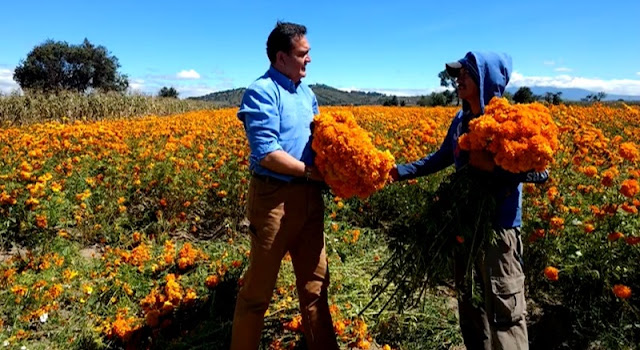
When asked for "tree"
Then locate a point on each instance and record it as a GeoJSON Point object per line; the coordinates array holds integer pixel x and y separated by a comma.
{"type": "Point", "coordinates": [448, 81]}
{"type": "Point", "coordinates": [393, 101]}
{"type": "Point", "coordinates": [553, 98]}
{"type": "Point", "coordinates": [168, 92]}
{"type": "Point", "coordinates": [434, 99]}
{"type": "Point", "coordinates": [524, 95]}
{"type": "Point", "coordinates": [595, 97]}
{"type": "Point", "coordinates": [56, 65]}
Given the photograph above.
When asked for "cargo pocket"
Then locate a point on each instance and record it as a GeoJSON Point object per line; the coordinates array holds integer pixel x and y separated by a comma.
{"type": "Point", "coordinates": [508, 299]}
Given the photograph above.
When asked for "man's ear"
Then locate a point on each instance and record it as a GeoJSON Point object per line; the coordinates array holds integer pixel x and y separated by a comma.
{"type": "Point", "coordinates": [280, 57]}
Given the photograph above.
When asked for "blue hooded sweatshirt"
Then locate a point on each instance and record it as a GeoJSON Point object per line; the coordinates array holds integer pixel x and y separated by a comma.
{"type": "Point", "coordinates": [493, 71]}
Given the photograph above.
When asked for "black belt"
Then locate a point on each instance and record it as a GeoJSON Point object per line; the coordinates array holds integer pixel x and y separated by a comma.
{"type": "Point", "coordinates": [273, 180]}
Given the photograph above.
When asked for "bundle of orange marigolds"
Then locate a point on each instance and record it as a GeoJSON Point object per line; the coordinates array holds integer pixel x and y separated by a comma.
{"type": "Point", "coordinates": [520, 137]}
{"type": "Point", "coordinates": [346, 157]}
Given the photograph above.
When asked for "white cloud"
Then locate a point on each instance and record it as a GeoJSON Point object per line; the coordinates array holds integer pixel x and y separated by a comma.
{"type": "Point", "coordinates": [549, 63]}
{"type": "Point", "coordinates": [563, 69]}
{"type": "Point", "coordinates": [151, 86]}
{"type": "Point", "coordinates": [637, 73]}
{"type": "Point", "coordinates": [136, 85]}
{"type": "Point", "coordinates": [7, 84]}
{"type": "Point", "coordinates": [611, 86]}
{"type": "Point", "coordinates": [188, 74]}
{"type": "Point", "coordinates": [196, 90]}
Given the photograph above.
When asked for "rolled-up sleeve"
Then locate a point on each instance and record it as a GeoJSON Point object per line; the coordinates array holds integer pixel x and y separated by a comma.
{"type": "Point", "coordinates": [259, 113]}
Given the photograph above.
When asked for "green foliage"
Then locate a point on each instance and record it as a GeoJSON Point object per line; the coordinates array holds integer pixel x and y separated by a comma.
{"type": "Point", "coordinates": [56, 65]}
{"type": "Point", "coordinates": [170, 92]}
{"type": "Point", "coordinates": [524, 95]}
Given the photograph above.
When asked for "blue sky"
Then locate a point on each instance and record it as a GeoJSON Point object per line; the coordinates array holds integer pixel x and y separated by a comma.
{"type": "Point", "coordinates": [395, 47]}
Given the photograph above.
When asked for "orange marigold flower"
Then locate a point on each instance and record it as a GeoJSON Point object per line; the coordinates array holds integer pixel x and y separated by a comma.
{"type": "Point", "coordinates": [173, 290]}
{"type": "Point", "coordinates": [615, 236]}
{"type": "Point", "coordinates": [622, 291]}
{"type": "Point", "coordinates": [295, 324]}
{"type": "Point", "coordinates": [187, 256]}
{"type": "Point", "coordinates": [629, 151]}
{"type": "Point", "coordinates": [537, 234]}
{"type": "Point", "coordinates": [551, 273]}
{"type": "Point", "coordinates": [590, 171]}
{"type": "Point", "coordinates": [5, 198]}
{"type": "Point", "coordinates": [631, 209]}
{"type": "Point", "coordinates": [552, 192]}
{"type": "Point", "coordinates": [588, 228]}
{"type": "Point", "coordinates": [19, 290]}
{"type": "Point", "coordinates": [630, 188]}
{"type": "Point", "coordinates": [632, 240]}
{"type": "Point", "coordinates": [557, 223]}
{"type": "Point", "coordinates": [41, 221]}
{"type": "Point", "coordinates": [123, 328]}
{"type": "Point", "coordinates": [608, 176]}
{"type": "Point", "coordinates": [212, 281]}
{"type": "Point", "coordinates": [339, 327]}
{"type": "Point", "coordinates": [191, 296]}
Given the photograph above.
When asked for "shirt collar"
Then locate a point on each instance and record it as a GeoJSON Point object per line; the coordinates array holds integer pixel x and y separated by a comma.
{"type": "Point", "coordinates": [282, 79]}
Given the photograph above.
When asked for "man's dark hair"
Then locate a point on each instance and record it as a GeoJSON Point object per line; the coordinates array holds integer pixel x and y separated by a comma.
{"type": "Point", "coordinates": [281, 38]}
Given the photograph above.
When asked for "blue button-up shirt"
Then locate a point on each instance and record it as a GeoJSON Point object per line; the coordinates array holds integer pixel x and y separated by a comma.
{"type": "Point", "coordinates": [277, 115]}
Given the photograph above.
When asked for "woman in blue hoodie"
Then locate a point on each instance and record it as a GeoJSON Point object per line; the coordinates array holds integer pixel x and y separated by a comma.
{"type": "Point", "coordinates": [500, 322]}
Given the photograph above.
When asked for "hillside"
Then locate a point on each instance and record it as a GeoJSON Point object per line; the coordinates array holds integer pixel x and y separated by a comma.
{"type": "Point", "coordinates": [327, 96]}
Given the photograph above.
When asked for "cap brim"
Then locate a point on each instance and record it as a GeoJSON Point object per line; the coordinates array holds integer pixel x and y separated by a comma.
{"type": "Point", "coordinates": [453, 68]}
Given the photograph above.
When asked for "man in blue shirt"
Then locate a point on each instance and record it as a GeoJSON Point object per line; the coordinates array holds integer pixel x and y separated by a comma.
{"type": "Point", "coordinates": [285, 206]}
{"type": "Point", "coordinates": [500, 322]}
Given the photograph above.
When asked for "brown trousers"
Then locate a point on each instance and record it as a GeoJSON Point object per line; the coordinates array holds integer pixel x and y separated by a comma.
{"type": "Point", "coordinates": [498, 322]}
{"type": "Point", "coordinates": [285, 217]}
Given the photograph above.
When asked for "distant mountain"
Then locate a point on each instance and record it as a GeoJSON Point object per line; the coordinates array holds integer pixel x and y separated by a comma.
{"type": "Point", "coordinates": [226, 98]}
{"type": "Point", "coordinates": [326, 95]}
{"type": "Point", "coordinates": [329, 96]}
{"type": "Point", "coordinates": [573, 94]}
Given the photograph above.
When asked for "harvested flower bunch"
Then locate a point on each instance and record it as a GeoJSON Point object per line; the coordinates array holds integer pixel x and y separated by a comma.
{"type": "Point", "coordinates": [520, 137]}
{"type": "Point", "coordinates": [346, 157]}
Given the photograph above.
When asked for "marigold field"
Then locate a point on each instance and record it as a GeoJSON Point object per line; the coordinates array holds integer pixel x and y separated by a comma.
{"type": "Point", "coordinates": [130, 233]}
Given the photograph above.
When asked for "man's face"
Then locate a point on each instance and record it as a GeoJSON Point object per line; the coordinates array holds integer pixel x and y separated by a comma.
{"type": "Point", "coordinates": [294, 63]}
{"type": "Point", "coordinates": [467, 88]}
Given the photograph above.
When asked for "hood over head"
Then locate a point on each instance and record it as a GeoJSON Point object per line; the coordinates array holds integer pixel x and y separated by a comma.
{"type": "Point", "coordinates": [490, 70]}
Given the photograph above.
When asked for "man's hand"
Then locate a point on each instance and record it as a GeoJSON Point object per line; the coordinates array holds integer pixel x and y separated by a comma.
{"type": "Point", "coordinates": [393, 173]}
{"type": "Point", "coordinates": [482, 160]}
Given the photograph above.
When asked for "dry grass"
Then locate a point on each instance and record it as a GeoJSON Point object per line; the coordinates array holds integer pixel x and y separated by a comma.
{"type": "Point", "coordinates": [18, 110]}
